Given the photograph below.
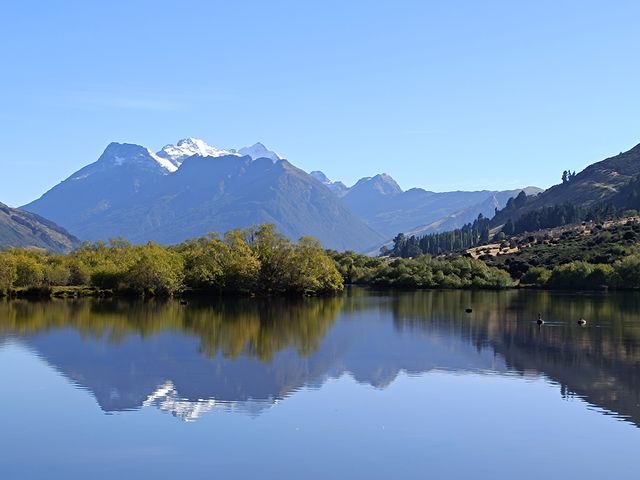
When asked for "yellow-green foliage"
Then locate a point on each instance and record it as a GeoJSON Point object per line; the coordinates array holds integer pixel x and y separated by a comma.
{"type": "Point", "coordinates": [246, 261]}
{"type": "Point", "coordinates": [8, 272]}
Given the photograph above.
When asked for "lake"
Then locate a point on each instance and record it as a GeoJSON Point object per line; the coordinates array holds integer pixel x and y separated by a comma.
{"type": "Point", "coordinates": [364, 385]}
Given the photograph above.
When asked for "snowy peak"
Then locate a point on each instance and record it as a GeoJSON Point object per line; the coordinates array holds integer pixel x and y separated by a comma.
{"type": "Point", "coordinates": [258, 150]}
{"type": "Point", "coordinates": [118, 154]}
{"type": "Point", "coordinates": [338, 188]}
{"type": "Point", "coordinates": [320, 176]}
{"type": "Point", "coordinates": [187, 147]}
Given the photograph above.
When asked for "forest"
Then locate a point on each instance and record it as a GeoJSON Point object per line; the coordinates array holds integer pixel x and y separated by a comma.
{"type": "Point", "coordinates": [470, 235]}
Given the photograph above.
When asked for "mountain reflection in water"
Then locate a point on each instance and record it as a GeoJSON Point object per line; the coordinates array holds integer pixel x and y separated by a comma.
{"type": "Point", "coordinates": [247, 354]}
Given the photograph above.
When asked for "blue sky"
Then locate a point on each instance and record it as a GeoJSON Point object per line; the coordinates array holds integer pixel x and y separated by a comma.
{"type": "Point", "coordinates": [442, 95]}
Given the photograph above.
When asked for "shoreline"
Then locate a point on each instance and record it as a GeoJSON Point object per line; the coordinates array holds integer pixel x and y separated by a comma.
{"type": "Point", "coordinates": [74, 292]}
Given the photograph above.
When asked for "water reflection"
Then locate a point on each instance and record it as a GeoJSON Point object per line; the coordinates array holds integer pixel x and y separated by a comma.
{"type": "Point", "coordinates": [246, 355]}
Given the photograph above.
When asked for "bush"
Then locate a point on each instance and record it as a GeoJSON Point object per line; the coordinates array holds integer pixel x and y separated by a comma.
{"type": "Point", "coordinates": [8, 272]}
{"type": "Point", "coordinates": [156, 271]}
{"type": "Point", "coordinates": [538, 276]}
{"type": "Point", "coordinates": [29, 271]}
{"type": "Point", "coordinates": [627, 272]}
{"type": "Point", "coordinates": [581, 275]}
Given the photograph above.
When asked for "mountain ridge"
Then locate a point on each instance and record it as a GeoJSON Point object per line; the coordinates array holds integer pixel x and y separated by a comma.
{"type": "Point", "coordinates": [141, 201]}
{"type": "Point", "coordinates": [19, 228]}
{"type": "Point", "coordinates": [597, 182]}
{"type": "Point", "coordinates": [191, 188]}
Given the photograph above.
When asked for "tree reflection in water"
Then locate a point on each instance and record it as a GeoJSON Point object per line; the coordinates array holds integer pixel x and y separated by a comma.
{"type": "Point", "coordinates": [245, 354]}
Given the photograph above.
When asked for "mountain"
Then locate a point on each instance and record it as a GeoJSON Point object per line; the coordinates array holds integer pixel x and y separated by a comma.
{"type": "Point", "coordinates": [187, 147]}
{"type": "Point", "coordinates": [178, 194]}
{"type": "Point", "coordinates": [258, 150]}
{"type": "Point", "coordinates": [110, 184]}
{"type": "Point", "coordinates": [496, 200]}
{"type": "Point", "coordinates": [338, 188]}
{"type": "Point", "coordinates": [388, 209]}
{"type": "Point", "coordinates": [23, 229]}
{"type": "Point", "coordinates": [598, 182]}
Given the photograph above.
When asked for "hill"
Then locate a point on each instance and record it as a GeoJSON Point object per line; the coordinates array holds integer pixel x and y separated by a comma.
{"type": "Point", "coordinates": [593, 242]}
{"type": "Point", "coordinates": [597, 183]}
{"type": "Point", "coordinates": [27, 230]}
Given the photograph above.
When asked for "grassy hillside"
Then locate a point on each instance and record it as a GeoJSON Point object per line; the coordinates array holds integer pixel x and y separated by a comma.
{"type": "Point", "coordinates": [598, 182]}
{"type": "Point", "coordinates": [595, 243]}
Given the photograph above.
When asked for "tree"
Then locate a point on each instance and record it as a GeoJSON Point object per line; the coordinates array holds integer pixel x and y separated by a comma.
{"type": "Point", "coordinates": [156, 270]}
{"type": "Point", "coordinates": [241, 265]}
{"type": "Point", "coordinates": [312, 270]}
{"type": "Point", "coordinates": [29, 271]}
{"type": "Point", "coordinates": [508, 228]}
{"type": "Point", "coordinates": [538, 276]}
{"type": "Point", "coordinates": [628, 271]}
{"type": "Point", "coordinates": [8, 272]}
{"type": "Point", "coordinates": [204, 263]}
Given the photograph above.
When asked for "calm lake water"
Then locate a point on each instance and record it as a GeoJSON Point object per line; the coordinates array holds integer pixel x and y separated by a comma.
{"type": "Point", "coordinates": [365, 385]}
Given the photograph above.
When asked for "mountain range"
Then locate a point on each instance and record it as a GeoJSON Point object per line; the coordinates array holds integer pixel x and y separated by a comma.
{"type": "Point", "coordinates": [192, 188]}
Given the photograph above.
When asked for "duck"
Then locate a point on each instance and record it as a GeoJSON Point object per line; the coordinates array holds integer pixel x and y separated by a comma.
{"type": "Point", "coordinates": [183, 302]}
{"type": "Point", "coordinates": [582, 322]}
{"type": "Point", "coordinates": [540, 321]}
{"type": "Point", "coordinates": [468, 310]}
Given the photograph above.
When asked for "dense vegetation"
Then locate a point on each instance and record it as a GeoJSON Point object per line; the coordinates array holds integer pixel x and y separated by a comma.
{"type": "Point", "coordinates": [470, 235]}
{"type": "Point", "coordinates": [590, 256]}
{"type": "Point", "coordinates": [591, 243]}
{"type": "Point", "coordinates": [245, 261]}
{"type": "Point", "coordinates": [421, 272]}
{"type": "Point", "coordinates": [559, 215]}
{"type": "Point", "coordinates": [623, 274]}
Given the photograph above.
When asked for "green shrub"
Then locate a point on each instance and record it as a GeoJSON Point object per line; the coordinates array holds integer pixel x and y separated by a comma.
{"type": "Point", "coordinates": [538, 276]}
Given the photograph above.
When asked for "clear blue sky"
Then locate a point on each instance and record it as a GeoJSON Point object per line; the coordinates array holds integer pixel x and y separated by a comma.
{"type": "Point", "coordinates": [440, 94]}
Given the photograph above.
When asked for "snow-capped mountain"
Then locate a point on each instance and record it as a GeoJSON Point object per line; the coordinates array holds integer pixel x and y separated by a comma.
{"type": "Point", "coordinates": [258, 150]}
{"type": "Point", "coordinates": [187, 147]}
{"type": "Point", "coordinates": [336, 187]}
{"type": "Point", "coordinates": [191, 189]}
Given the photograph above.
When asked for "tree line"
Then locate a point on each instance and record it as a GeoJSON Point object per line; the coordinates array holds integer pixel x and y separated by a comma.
{"type": "Point", "coordinates": [251, 261]}
{"type": "Point", "coordinates": [557, 216]}
{"type": "Point", "coordinates": [468, 236]}
{"type": "Point", "coordinates": [423, 271]}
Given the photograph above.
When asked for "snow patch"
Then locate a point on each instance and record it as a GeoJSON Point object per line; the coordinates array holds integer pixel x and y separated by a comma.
{"type": "Point", "coordinates": [187, 147]}
{"type": "Point", "coordinates": [258, 150]}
